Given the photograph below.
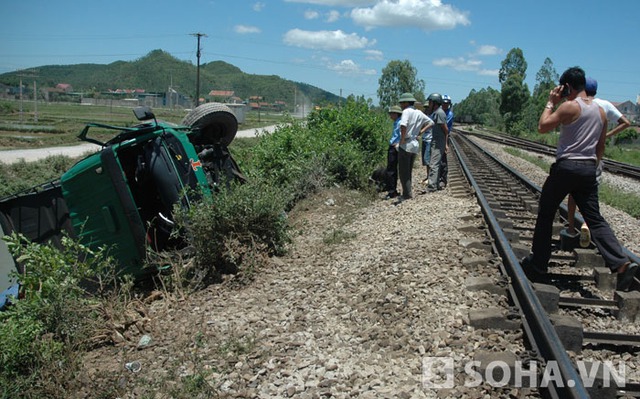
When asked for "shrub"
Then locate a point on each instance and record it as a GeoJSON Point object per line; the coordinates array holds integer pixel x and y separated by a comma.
{"type": "Point", "coordinates": [40, 332]}
{"type": "Point", "coordinates": [627, 136]}
{"type": "Point", "coordinates": [234, 225]}
{"type": "Point", "coordinates": [336, 145]}
{"type": "Point", "coordinates": [6, 108]}
{"type": "Point", "coordinates": [23, 175]}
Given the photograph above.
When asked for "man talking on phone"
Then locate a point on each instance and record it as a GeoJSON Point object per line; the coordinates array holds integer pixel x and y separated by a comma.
{"type": "Point", "coordinates": [583, 127]}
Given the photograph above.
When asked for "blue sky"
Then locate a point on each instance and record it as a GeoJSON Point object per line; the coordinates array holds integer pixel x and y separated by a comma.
{"type": "Point", "coordinates": [338, 45]}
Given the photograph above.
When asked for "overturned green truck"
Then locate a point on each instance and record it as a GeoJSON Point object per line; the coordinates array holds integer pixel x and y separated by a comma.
{"type": "Point", "coordinates": [123, 196]}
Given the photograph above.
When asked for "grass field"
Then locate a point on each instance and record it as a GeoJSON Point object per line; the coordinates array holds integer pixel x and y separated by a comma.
{"type": "Point", "coordinates": [57, 124]}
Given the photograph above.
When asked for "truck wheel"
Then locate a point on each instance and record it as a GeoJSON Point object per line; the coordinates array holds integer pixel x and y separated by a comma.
{"type": "Point", "coordinates": [211, 123]}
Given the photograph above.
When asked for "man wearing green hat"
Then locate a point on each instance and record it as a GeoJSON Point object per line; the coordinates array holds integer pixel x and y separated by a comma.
{"type": "Point", "coordinates": [413, 123]}
{"type": "Point", "coordinates": [391, 183]}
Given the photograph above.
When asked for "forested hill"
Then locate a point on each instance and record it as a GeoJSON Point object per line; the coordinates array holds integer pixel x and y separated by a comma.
{"type": "Point", "coordinates": [156, 71]}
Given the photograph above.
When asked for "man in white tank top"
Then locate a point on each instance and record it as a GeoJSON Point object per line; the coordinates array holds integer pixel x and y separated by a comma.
{"type": "Point", "coordinates": [582, 138]}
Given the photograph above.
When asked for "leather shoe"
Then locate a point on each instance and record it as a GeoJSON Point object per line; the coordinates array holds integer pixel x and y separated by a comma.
{"type": "Point", "coordinates": [625, 277]}
{"type": "Point", "coordinates": [391, 195]}
{"type": "Point", "coordinates": [534, 272]}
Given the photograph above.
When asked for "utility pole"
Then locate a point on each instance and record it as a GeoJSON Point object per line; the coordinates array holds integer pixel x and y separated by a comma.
{"type": "Point", "coordinates": [21, 107]}
{"type": "Point", "coordinates": [35, 102]}
{"type": "Point", "coordinates": [30, 73]}
{"type": "Point", "coordinates": [170, 89]}
{"type": "Point", "coordinates": [198, 35]}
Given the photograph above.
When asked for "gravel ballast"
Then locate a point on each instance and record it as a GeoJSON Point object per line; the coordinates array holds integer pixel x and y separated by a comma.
{"type": "Point", "coordinates": [365, 296]}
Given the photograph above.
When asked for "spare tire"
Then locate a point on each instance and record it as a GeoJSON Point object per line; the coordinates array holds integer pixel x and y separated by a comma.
{"type": "Point", "coordinates": [212, 123]}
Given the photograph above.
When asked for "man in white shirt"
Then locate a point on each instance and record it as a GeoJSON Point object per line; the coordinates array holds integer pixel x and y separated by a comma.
{"type": "Point", "coordinates": [413, 123]}
{"type": "Point", "coordinates": [613, 114]}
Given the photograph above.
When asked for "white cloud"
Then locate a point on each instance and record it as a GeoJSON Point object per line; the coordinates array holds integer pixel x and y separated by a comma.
{"type": "Point", "coordinates": [489, 72]}
{"type": "Point", "coordinates": [374, 55]}
{"type": "Point", "coordinates": [245, 29]}
{"type": "Point", "coordinates": [428, 15]}
{"type": "Point", "coordinates": [459, 64]}
{"type": "Point", "coordinates": [342, 3]}
{"type": "Point", "coordinates": [333, 16]}
{"type": "Point", "coordinates": [488, 50]}
{"type": "Point", "coordinates": [259, 6]}
{"type": "Point", "coordinates": [310, 14]}
{"type": "Point", "coordinates": [348, 67]}
{"type": "Point", "coordinates": [326, 40]}
{"type": "Point", "coordinates": [465, 65]}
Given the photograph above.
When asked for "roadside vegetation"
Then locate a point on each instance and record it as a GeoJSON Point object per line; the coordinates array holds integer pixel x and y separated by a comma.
{"type": "Point", "coordinates": [72, 301]}
{"type": "Point", "coordinates": [69, 302]}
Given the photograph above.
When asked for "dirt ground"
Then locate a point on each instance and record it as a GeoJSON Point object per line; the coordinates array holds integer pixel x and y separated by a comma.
{"type": "Point", "coordinates": [184, 358]}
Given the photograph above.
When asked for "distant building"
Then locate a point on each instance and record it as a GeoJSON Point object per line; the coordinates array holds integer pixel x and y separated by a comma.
{"type": "Point", "coordinates": [630, 110]}
{"type": "Point", "coordinates": [59, 93]}
{"type": "Point", "coordinates": [221, 93]}
{"type": "Point", "coordinates": [64, 87]}
{"type": "Point", "coordinates": [223, 96]}
{"type": "Point", "coordinates": [280, 105]}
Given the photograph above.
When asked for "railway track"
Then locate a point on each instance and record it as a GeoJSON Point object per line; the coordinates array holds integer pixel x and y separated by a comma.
{"type": "Point", "coordinates": [619, 168]}
{"type": "Point", "coordinates": [556, 314]}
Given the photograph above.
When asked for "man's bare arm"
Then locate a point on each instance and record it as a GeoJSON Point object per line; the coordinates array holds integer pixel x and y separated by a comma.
{"type": "Point", "coordinates": [623, 123]}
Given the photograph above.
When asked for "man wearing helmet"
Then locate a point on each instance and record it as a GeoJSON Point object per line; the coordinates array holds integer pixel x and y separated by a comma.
{"type": "Point", "coordinates": [439, 141]}
{"type": "Point", "coordinates": [446, 107]}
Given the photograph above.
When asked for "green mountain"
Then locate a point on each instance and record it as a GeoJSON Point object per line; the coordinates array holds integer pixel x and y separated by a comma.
{"type": "Point", "coordinates": [158, 70]}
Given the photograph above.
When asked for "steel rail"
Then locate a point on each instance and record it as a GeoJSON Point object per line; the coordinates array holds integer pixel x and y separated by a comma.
{"type": "Point", "coordinates": [542, 332]}
{"type": "Point", "coordinates": [537, 189]}
{"type": "Point", "coordinates": [611, 166]}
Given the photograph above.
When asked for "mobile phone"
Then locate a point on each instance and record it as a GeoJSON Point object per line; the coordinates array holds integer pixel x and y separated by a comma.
{"type": "Point", "coordinates": [565, 90]}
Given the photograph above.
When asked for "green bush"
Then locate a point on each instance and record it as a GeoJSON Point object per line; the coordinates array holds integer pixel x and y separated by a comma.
{"type": "Point", "coordinates": [627, 136]}
{"type": "Point", "coordinates": [23, 175]}
{"type": "Point", "coordinates": [6, 108]}
{"type": "Point", "coordinates": [336, 145]}
{"type": "Point", "coordinates": [235, 224]}
{"type": "Point", "coordinates": [54, 317]}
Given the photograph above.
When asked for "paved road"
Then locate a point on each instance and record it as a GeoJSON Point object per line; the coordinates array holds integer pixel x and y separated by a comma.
{"type": "Point", "coordinates": [30, 155]}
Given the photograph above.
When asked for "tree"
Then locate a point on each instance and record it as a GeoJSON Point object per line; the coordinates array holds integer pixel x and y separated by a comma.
{"type": "Point", "coordinates": [513, 64]}
{"type": "Point", "coordinates": [515, 93]}
{"type": "Point", "coordinates": [399, 77]}
{"type": "Point", "coordinates": [481, 107]}
{"type": "Point", "coordinates": [546, 79]}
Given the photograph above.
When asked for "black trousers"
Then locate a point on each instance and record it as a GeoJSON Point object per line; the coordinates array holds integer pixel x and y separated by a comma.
{"type": "Point", "coordinates": [444, 171]}
{"type": "Point", "coordinates": [578, 178]}
{"type": "Point", "coordinates": [392, 169]}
